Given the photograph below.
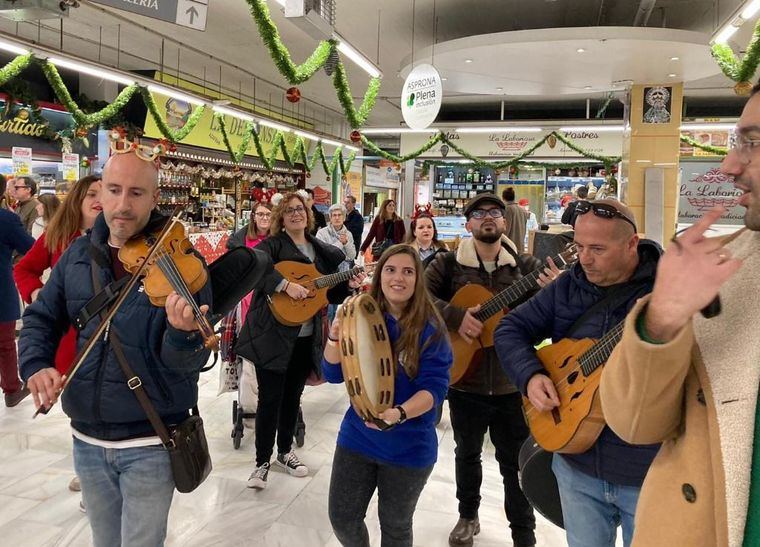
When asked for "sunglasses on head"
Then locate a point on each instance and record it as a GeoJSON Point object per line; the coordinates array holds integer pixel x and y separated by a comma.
{"type": "Point", "coordinates": [602, 210]}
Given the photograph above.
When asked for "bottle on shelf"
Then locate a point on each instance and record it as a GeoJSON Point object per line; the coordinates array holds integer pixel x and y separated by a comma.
{"type": "Point", "coordinates": [476, 177]}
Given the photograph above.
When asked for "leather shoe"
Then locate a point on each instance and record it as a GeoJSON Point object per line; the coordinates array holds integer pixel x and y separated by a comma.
{"type": "Point", "coordinates": [12, 399]}
{"type": "Point", "coordinates": [464, 531]}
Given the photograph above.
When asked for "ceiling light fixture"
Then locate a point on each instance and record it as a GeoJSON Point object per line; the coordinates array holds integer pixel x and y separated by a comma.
{"type": "Point", "coordinates": [13, 48]}
{"type": "Point", "coordinates": [748, 10]}
{"type": "Point", "coordinates": [707, 126]}
{"type": "Point", "coordinates": [468, 60]}
{"type": "Point", "coordinates": [672, 75]}
{"type": "Point", "coordinates": [92, 71]}
{"type": "Point", "coordinates": [349, 51]}
{"type": "Point", "coordinates": [675, 58]}
{"type": "Point", "coordinates": [443, 79]}
{"type": "Point", "coordinates": [273, 125]}
{"type": "Point", "coordinates": [594, 128]}
{"type": "Point", "coordinates": [499, 89]}
{"type": "Point", "coordinates": [169, 92]}
{"type": "Point", "coordinates": [580, 50]}
{"type": "Point", "coordinates": [234, 113]}
{"type": "Point", "coordinates": [503, 129]}
{"type": "Point", "coordinates": [587, 87]}
{"type": "Point", "coordinates": [395, 130]}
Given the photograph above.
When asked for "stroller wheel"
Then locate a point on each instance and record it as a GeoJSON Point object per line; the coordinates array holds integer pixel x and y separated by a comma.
{"type": "Point", "coordinates": [300, 436]}
{"type": "Point", "coordinates": [234, 412]}
{"type": "Point", "coordinates": [237, 436]}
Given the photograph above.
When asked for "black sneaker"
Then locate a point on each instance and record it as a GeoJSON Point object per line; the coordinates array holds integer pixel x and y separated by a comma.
{"type": "Point", "coordinates": [258, 478]}
{"type": "Point", "coordinates": [292, 464]}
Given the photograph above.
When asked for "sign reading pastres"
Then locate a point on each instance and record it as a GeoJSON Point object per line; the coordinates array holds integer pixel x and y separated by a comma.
{"type": "Point", "coordinates": [421, 97]}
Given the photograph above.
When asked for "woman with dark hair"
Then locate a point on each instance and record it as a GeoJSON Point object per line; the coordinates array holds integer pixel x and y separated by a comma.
{"type": "Point", "coordinates": [387, 229]}
{"type": "Point", "coordinates": [397, 461]}
{"type": "Point", "coordinates": [283, 355]}
{"type": "Point", "coordinates": [47, 205]}
{"type": "Point", "coordinates": [424, 238]}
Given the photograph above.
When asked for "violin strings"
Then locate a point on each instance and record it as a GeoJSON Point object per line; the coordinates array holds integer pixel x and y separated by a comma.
{"type": "Point", "coordinates": [169, 268]}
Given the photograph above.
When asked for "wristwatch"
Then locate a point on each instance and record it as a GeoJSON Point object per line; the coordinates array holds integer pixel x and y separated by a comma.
{"type": "Point", "coordinates": [402, 416]}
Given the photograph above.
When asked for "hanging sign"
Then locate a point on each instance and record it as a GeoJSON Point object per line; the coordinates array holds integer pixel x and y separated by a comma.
{"type": "Point", "coordinates": [421, 97]}
{"type": "Point", "coordinates": [71, 167]}
{"type": "Point", "coordinates": [22, 160]}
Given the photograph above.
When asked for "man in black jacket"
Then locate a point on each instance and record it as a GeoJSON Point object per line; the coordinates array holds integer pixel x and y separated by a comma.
{"type": "Point", "coordinates": [484, 399]}
{"type": "Point", "coordinates": [569, 216]}
{"type": "Point", "coordinates": [125, 471]}
{"type": "Point", "coordinates": [354, 220]}
{"type": "Point", "coordinates": [600, 487]}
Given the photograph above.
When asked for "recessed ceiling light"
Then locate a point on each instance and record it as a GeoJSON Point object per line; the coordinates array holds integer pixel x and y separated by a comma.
{"type": "Point", "coordinates": [468, 60]}
{"type": "Point", "coordinates": [443, 79]}
{"type": "Point", "coordinates": [499, 89]}
{"type": "Point", "coordinates": [674, 58]}
{"type": "Point", "coordinates": [587, 87]}
{"type": "Point", "coordinates": [580, 50]}
{"type": "Point", "coordinates": [672, 75]}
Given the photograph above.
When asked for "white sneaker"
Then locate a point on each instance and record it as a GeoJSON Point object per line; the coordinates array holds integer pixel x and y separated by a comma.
{"type": "Point", "coordinates": [258, 478]}
{"type": "Point", "coordinates": [292, 464]}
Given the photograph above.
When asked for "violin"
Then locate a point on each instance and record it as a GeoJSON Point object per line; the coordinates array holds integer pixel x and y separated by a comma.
{"type": "Point", "coordinates": [172, 268]}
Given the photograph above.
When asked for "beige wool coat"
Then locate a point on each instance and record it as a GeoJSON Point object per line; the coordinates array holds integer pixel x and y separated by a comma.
{"type": "Point", "coordinates": [697, 395]}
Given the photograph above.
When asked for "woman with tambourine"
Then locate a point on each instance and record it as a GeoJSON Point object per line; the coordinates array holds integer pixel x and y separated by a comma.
{"type": "Point", "coordinates": [396, 461]}
{"type": "Point", "coordinates": [283, 355]}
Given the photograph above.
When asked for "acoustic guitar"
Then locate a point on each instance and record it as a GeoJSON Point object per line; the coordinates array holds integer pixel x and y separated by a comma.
{"type": "Point", "coordinates": [575, 367]}
{"type": "Point", "coordinates": [296, 312]}
{"type": "Point", "coordinates": [492, 309]}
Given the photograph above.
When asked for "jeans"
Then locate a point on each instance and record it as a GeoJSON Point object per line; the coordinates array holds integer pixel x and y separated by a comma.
{"type": "Point", "coordinates": [472, 415]}
{"type": "Point", "coordinates": [9, 380]}
{"type": "Point", "coordinates": [354, 480]}
{"type": "Point", "coordinates": [279, 401]}
{"type": "Point", "coordinates": [593, 508]}
{"type": "Point", "coordinates": [127, 492]}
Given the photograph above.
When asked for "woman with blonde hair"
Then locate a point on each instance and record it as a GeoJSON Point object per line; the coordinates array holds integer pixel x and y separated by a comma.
{"type": "Point", "coordinates": [387, 229]}
{"type": "Point", "coordinates": [396, 461]}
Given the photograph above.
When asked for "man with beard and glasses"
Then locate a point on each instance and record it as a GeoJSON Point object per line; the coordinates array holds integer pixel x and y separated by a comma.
{"type": "Point", "coordinates": [484, 400]}
{"type": "Point", "coordinates": [690, 380]}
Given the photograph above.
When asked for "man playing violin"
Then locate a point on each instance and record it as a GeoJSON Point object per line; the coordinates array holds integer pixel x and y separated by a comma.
{"type": "Point", "coordinates": [598, 488]}
{"type": "Point", "coordinates": [484, 399]}
{"type": "Point", "coordinates": [125, 471]}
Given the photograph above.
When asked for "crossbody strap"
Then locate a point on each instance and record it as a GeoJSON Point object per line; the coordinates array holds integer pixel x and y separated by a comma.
{"type": "Point", "coordinates": [133, 381]}
{"type": "Point", "coordinates": [613, 300]}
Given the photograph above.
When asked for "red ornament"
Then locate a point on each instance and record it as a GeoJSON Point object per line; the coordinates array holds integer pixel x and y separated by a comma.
{"type": "Point", "coordinates": [355, 136]}
{"type": "Point", "coordinates": [293, 94]}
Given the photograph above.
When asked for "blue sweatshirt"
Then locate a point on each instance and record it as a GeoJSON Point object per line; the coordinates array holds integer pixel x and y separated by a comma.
{"type": "Point", "coordinates": [413, 443]}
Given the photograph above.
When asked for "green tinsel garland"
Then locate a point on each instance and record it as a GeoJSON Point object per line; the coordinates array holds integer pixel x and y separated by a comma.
{"type": "Point", "coordinates": [166, 131]}
{"type": "Point", "coordinates": [356, 118]}
{"type": "Point", "coordinates": [739, 71]}
{"type": "Point", "coordinates": [14, 68]}
{"type": "Point", "coordinates": [716, 150]}
{"type": "Point", "coordinates": [294, 74]}
{"type": "Point", "coordinates": [236, 155]}
{"type": "Point", "coordinates": [401, 159]}
{"type": "Point", "coordinates": [345, 166]}
{"type": "Point", "coordinates": [82, 119]}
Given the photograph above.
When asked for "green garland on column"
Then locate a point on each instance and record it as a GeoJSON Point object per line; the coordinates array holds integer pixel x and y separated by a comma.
{"type": "Point", "coordinates": [356, 118]}
{"type": "Point", "coordinates": [716, 150]}
{"type": "Point", "coordinates": [166, 131]}
{"type": "Point", "coordinates": [14, 68]}
{"type": "Point", "coordinates": [739, 71]}
{"type": "Point", "coordinates": [82, 119]}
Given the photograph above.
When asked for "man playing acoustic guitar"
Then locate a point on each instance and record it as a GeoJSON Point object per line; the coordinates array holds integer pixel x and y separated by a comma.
{"type": "Point", "coordinates": [599, 487]}
{"type": "Point", "coordinates": [484, 399]}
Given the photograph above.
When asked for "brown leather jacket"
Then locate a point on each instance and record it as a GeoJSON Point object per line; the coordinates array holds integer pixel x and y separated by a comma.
{"type": "Point", "coordinates": [443, 281]}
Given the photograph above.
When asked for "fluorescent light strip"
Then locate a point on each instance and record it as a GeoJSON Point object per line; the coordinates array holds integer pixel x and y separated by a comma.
{"type": "Point", "coordinates": [174, 94]}
{"type": "Point", "coordinates": [346, 49]}
{"type": "Point", "coordinates": [396, 130]}
{"type": "Point", "coordinates": [505, 129]}
{"type": "Point", "coordinates": [726, 34]}
{"type": "Point", "coordinates": [13, 48]}
{"type": "Point", "coordinates": [281, 2]}
{"type": "Point", "coordinates": [708, 127]}
{"type": "Point", "coordinates": [92, 71]}
{"type": "Point", "coordinates": [274, 125]}
{"type": "Point", "coordinates": [595, 128]}
{"type": "Point", "coordinates": [234, 113]}
{"type": "Point", "coordinates": [306, 135]}
{"type": "Point", "coordinates": [751, 9]}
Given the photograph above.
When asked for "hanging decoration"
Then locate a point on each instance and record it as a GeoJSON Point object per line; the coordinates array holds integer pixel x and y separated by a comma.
{"type": "Point", "coordinates": [716, 150]}
{"type": "Point", "coordinates": [14, 68]}
{"type": "Point", "coordinates": [742, 71]}
{"type": "Point", "coordinates": [355, 136]}
{"type": "Point", "coordinates": [166, 131]}
{"type": "Point", "coordinates": [293, 95]}
{"type": "Point", "coordinates": [356, 117]}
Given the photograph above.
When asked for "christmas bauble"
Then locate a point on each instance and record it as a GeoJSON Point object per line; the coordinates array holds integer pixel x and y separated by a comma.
{"type": "Point", "coordinates": [293, 94]}
{"type": "Point", "coordinates": [355, 136]}
{"type": "Point", "coordinates": [743, 88]}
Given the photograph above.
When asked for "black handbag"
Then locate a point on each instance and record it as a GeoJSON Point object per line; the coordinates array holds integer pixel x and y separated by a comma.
{"type": "Point", "coordinates": [379, 247]}
{"type": "Point", "coordinates": [186, 443]}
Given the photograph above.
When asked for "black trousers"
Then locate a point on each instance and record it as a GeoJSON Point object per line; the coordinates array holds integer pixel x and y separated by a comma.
{"type": "Point", "coordinates": [354, 479]}
{"type": "Point", "coordinates": [279, 401]}
{"type": "Point", "coordinates": [501, 415]}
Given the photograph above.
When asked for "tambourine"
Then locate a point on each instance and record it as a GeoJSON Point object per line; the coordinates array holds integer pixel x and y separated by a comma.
{"type": "Point", "coordinates": [366, 358]}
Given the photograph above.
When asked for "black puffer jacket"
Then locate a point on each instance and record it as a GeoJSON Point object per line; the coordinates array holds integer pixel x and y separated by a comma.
{"type": "Point", "coordinates": [264, 340]}
{"type": "Point", "coordinates": [444, 281]}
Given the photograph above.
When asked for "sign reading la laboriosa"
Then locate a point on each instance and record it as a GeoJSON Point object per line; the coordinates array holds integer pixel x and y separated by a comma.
{"type": "Point", "coordinates": [422, 96]}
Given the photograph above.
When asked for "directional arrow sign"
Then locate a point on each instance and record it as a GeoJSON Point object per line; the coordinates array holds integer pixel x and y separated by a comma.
{"type": "Point", "coordinates": [188, 13]}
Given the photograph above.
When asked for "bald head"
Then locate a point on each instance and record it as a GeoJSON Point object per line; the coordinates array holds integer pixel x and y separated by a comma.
{"type": "Point", "coordinates": [130, 193]}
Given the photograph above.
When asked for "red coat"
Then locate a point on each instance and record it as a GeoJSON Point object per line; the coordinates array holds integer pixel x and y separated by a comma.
{"type": "Point", "coordinates": [28, 276]}
{"type": "Point", "coordinates": [377, 232]}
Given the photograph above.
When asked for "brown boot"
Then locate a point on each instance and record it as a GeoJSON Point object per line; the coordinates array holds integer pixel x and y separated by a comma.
{"type": "Point", "coordinates": [12, 399]}
{"type": "Point", "coordinates": [464, 531]}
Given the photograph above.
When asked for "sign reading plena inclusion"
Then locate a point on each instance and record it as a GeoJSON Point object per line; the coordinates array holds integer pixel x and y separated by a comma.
{"type": "Point", "coordinates": [422, 96]}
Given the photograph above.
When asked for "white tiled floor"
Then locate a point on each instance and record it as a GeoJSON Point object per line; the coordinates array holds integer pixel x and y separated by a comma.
{"type": "Point", "coordinates": [37, 509]}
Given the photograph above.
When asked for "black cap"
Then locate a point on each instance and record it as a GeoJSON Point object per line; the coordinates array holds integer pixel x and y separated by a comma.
{"type": "Point", "coordinates": [482, 199]}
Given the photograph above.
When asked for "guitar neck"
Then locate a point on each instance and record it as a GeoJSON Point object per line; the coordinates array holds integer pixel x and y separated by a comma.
{"type": "Point", "coordinates": [598, 354]}
{"type": "Point", "coordinates": [330, 280]}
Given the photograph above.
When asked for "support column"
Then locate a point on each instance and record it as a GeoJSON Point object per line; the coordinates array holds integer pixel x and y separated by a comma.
{"type": "Point", "coordinates": [655, 116]}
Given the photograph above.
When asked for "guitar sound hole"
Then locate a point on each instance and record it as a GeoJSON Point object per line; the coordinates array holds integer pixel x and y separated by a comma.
{"type": "Point", "coordinates": [572, 377]}
{"type": "Point", "coordinates": [576, 395]}
{"type": "Point", "coordinates": [566, 361]}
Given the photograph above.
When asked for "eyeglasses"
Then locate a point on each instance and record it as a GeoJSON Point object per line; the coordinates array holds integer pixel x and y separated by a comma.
{"type": "Point", "coordinates": [20, 187]}
{"type": "Point", "coordinates": [743, 146]}
{"type": "Point", "coordinates": [290, 211]}
{"type": "Point", "coordinates": [483, 213]}
{"type": "Point", "coordinates": [602, 210]}
{"type": "Point", "coordinates": [263, 215]}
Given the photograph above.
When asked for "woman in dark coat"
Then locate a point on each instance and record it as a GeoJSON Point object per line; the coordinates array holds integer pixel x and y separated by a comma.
{"type": "Point", "coordinates": [387, 229]}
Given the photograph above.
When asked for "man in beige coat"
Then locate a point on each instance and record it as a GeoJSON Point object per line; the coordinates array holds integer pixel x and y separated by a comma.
{"type": "Point", "coordinates": [692, 382]}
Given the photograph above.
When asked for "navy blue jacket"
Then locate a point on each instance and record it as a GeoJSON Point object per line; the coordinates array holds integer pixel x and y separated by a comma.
{"type": "Point", "coordinates": [551, 314]}
{"type": "Point", "coordinates": [13, 237]}
{"type": "Point", "coordinates": [355, 224]}
{"type": "Point", "coordinates": [97, 400]}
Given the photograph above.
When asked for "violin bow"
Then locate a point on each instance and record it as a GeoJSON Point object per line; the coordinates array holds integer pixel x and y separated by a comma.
{"type": "Point", "coordinates": [103, 326]}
